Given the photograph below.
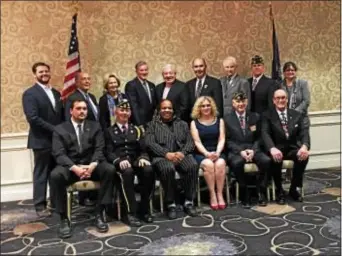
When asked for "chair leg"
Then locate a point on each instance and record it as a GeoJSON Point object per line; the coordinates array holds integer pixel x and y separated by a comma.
{"type": "Point", "coordinates": [161, 199]}
{"type": "Point", "coordinates": [118, 204]}
{"type": "Point", "coordinates": [69, 204]}
{"type": "Point", "coordinates": [198, 192]}
{"type": "Point", "coordinates": [227, 190]}
{"type": "Point", "coordinates": [151, 206]}
{"type": "Point", "coordinates": [237, 192]}
{"type": "Point", "coordinates": [268, 194]}
{"type": "Point", "coordinates": [273, 191]}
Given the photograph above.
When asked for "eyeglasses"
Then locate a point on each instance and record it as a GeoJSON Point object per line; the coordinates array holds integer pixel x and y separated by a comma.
{"type": "Point", "coordinates": [280, 98]}
{"type": "Point", "coordinates": [205, 106]}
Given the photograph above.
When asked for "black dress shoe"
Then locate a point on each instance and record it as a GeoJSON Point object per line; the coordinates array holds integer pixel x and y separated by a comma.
{"type": "Point", "coordinates": [294, 194]}
{"type": "Point", "coordinates": [172, 212]}
{"type": "Point", "coordinates": [281, 199]}
{"type": "Point", "coordinates": [246, 204]}
{"type": "Point", "coordinates": [100, 224]}
{"type": "Point", "coordinates": [190, 210]}
{"type": "Point", "coordinates": [133, 221]}
{"type": "Point", "coordinates": [88, 202]}
{"type": "Point", "coordinates": [43, 212]}
{"type": "Point", "coordinates": [147, 218]}
{"type": "Point", "coordinates": [64, 230]}
{"type": "Point", "coordinates": [262, 200]}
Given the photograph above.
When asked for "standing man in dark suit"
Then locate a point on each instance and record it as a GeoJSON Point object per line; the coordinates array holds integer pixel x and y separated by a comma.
{"type": "Point", "coordinates": [173, 90]}
{"type": "Point", "coordinates": [125, 148]}
{"type": "Point", "coordinates": [285, 133]}
{"type": "Point", "coordinates": [171, 145]}
{"type": "Point", "coordinates": [203, 85]}
{"type": "Point", "coordinates": [141, 96]}
{"type": "Point", "coordinates": [262, 87]}
{"type": "Point", "coordinates": [243, 145]}
{"type": "Point", "coordinates": [43, 110]}
{"type": "Point", "coordinates": [232, 83]}
{"type": "Point", "coordinates": [83, 84]}
{"type": "Point", "coordinates": [78, 147]}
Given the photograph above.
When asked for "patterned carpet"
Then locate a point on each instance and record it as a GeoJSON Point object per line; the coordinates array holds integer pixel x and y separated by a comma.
{"type": "Point", "coordinates": [309, 228]}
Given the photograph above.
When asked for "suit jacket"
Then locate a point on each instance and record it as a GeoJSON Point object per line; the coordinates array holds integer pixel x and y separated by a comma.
{"type": "Point", "coordinates": [65, 146]}
{"type": "Point", "coordinates": [302, 95]}
{"type": "Point", "coordinates": [160, 139]}
{"type": "Point", "coordinates": [262, 97]}
{"type": "Point", "coordinates": [273, 134]}
{"type": "Point", "coordinates": [238, 83]}
{"type": "Point", "coordinates": [142, 108]}
{"type": "Point", "coordinates": [177, 95]}
{"type": "Point", "coordinates": [104, 117]}
{"type": "Point", "coordinates": [41, 116]}
{"type": "Point", "coordinates": [211, 87]}
{"type": "Point", "coordinates": [121, 146]}
{"type": "Point", "coordinates": [77, 94]}
{"type": "Point", "coordinates": [236, 141]}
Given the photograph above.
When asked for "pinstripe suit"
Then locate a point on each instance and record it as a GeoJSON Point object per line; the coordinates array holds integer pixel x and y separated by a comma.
{"type": "Point", "coordinates": [162, 138]}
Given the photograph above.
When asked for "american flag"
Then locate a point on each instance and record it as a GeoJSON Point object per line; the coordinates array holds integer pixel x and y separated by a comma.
{"type": "Point", "coordinates": [73, 65]}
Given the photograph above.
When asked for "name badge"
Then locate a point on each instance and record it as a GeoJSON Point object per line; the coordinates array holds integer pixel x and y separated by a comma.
{"type": "Point", "coordinates": [252, 128]}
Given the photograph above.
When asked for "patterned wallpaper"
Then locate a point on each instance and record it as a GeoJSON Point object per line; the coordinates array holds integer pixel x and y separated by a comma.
{"type": "Point", "coordinates": [113, 36]}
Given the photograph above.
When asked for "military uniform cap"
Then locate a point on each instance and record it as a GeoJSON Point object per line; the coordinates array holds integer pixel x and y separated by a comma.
{"type": "Point", "coordinates": [124, 104]}
{"type": "Point", "coordinates": [256, 59]}
{"type": "Point", "coordinates": [239, 96]}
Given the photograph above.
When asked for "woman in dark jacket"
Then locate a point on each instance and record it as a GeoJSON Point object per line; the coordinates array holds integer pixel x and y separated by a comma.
{"type": "Point", "coordinates": [297, 89]}
{"type": "Point", "coordinates": [109, 100]}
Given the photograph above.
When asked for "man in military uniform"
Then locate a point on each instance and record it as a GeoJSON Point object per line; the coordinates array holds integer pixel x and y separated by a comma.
{"type": "Point", "coordinates": [125, 149]}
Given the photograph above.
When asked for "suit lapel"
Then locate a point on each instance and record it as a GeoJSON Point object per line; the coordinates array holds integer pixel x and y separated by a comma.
{"type": "Point", "coordinates": [290, 123]}
{"type": "Point", "coordinates": [236, 123]}
{"type": "Point", "coordinates": [277, 123]}
{"type": "Point", "coordinates": [43, 94]}
{"type": "Point", "coordinates": [172, 91]}
{"type": "Point", "coordinates": [86, 132]}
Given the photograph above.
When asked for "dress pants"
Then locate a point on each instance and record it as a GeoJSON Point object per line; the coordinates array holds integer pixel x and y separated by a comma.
{"type": "Point", "coordinates": [236, 162]}
{"type": "Point", "coordinates": [62, 177]}
{"type": "Point", "coordinates": [298, 170]}
{"type": "Point", "coordinates": [43, 165]}
{"type": "Point", "coordinates": [146, 183]}
{"type": "Point", "coordinates": [188, 170]}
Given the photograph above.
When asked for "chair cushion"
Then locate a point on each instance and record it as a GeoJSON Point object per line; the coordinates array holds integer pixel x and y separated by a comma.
{"type": "Point", "coordinates": [288, 164]}
{"type": "Point", "coordinates": [251, 168]}
{"type": "Point", "coordinates": [84, 185]}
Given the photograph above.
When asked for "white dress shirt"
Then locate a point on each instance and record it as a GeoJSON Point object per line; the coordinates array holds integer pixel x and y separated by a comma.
{"type": "Point", "coordinates": [122, 125]}
{"type": "Point", "coordinates": [166, 91]}
{"type": "Point", "coordinates": [48, 90]}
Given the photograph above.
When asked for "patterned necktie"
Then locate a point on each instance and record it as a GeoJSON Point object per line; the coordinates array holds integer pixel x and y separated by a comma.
{"type": "Point", "coordinates": [93, 109]}
{"type": "Point", "coordinates": [283, 121]}
{"type": "Point", "coordinates": [144, 83]}
{"type": "Point", "coordinates": [242, 124]}
{"type": "Point", "coordinates": [80, 136]}
{"type": "Point", "coordinates": [254, 84]}
{"type": "Point", "coordinates": [199, 88]}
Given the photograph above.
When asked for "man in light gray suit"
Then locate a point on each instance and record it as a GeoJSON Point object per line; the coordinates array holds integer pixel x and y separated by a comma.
{"type": "Point", "coordinates": [232, 83]}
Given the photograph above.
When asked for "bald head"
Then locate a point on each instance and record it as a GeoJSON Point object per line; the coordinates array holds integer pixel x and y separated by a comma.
{"type": "Point", "coordinates": [83, 81]}
{"type": "Point", "coordinates": [200, 67]}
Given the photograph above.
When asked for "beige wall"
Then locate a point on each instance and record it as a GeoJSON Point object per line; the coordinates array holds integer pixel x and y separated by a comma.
{"type": "Point", "coordinates": [113, 36]}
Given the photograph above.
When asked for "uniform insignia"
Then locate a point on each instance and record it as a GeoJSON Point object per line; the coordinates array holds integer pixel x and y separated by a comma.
{"type": "Point", "coordinates": [253, 128]}
{"type": "Point", "coordinates": [116, 132]}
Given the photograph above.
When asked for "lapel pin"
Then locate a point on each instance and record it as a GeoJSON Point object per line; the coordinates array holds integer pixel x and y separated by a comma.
{"type": "Point", "coordinates": [205, 86]}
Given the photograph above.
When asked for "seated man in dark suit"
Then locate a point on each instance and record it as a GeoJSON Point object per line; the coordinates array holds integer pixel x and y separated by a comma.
{"type": "Point", "coordinates": [173, 90]}
{"type": "Point", "coordinates": [78, 147]}
{"type": "Point", "coordinates": [285, 134]}
{"type": "Point", "coordinates": [125, 149]}
{"type": "Point", "coordinates": [171, 145]}
{"type": "Point", "coordinates": [83, 84]}
{"type": "Point", "coordinates": [243, 145]}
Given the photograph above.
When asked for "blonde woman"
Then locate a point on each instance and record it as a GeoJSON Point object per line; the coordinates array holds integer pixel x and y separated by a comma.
{"type": "Point", "coordinates": [109, 100]}
{"type": "Point", "coordinates": [208, 133]}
